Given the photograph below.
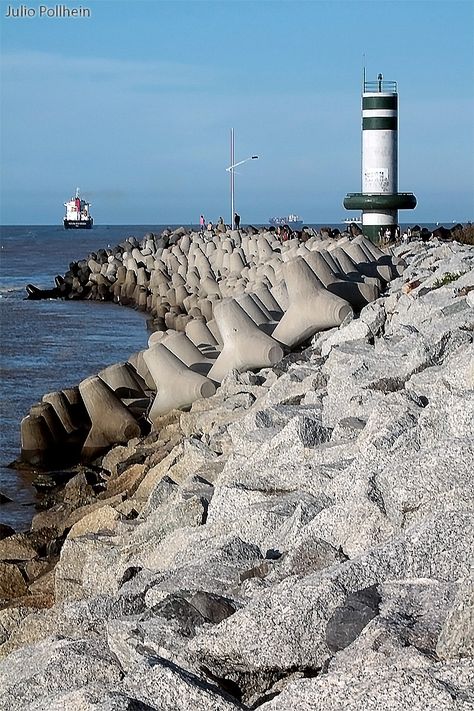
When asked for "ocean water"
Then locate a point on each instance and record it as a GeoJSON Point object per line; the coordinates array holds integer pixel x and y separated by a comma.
{"type": "Point", "coordinates": [52, 344]}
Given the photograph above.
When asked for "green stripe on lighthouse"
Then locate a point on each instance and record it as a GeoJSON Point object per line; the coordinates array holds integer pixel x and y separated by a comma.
{"type": "Point", "coordinates": [380, 123]}
{"type": "Point", "coordinates": [380, 102]}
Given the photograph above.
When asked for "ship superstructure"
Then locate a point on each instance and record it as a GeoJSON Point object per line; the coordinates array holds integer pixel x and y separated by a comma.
{"type": "Point", "coordinates": [77, 214]}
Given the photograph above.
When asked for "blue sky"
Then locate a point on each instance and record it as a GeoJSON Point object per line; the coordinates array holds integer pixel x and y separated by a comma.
{"type": "Point", "coordinates": [134, 105]}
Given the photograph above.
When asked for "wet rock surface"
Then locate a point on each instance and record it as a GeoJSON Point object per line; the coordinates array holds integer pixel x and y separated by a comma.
{"type": "Point", "coordinates": [301, 539]}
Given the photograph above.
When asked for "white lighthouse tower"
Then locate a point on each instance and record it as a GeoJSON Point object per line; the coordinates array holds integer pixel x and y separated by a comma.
{"type": "Point", "coordinates": [379, 199]}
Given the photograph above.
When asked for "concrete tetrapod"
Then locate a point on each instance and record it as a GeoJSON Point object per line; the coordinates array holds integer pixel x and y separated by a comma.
{"type": "Point", "coordinates": [245, 346]}
{"type": "Point", "coordinates": [177, 386]}
{"type": "Point", "coordinates": [358, 294]}
{"type": "Point", "coordinates": [111, 422]}
{"type": "Point", "coordinates": [214, 329]}
{"type": "Point", "coordinates": [280, 293]}
{"type": "Point", "coordinates": [198, 332]}
{"type": "Point", "coordinates": [250, 306]}
{"type": "Point", "coordinates": [156, 337]}
{"type": "Point", "coordinates": [263, 295]}
{"type": "Point", "coordinates": [36, 440]}
{"type": "Point", "coordinates": [137, 362]}
{"type": "Point", "coordinates": [330, 261]}
{"type": "Point", "coordinates": [370, 256]}
{"type": "Point", "coordinates": [55, 426]}
{"type": "Point", "coordinates": [122, 379]}
{"type": "Point", "coordinates": [62, 409]}
{"type": "Point", "coordinates": [346, 265]}
{"type": "Point", "coordinates": [184, 349]}
{"type": "Point", "coordinates": [397, 264]}
{"type": "Point", "coordinates": [76, 408]}
{"type": "Point", "coordinates": [312, 308]}
{"type": "Point", "coordinates": [366, 267]}
{"type": "Point", "coordinates": [369, 246]}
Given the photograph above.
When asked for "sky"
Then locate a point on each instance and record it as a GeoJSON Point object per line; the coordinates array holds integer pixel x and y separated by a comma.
{"type": "Point", "coordinates": [134, 105]}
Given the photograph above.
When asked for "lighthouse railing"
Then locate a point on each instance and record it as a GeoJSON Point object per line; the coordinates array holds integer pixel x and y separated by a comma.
{"type": "Point", "coordinates": [380, 86]}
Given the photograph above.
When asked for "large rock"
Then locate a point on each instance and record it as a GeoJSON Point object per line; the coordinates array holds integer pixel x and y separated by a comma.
{"type": "Point", "coordinates": [22, 546]}
{"type": "Point", "coordinates": [415, 610]}
{"type": "Point", "coordinates": [457, 636]}
{"type": "Point", "coordinates": [284, 628]}
{"type": "Point", "coordinates": [446, 687]}
{"type": "Point", "coordinates": [166, 687]}
{"type": "Point", "coordinates": [261, 517]}
{"type": "Point", "coordinates": [200, 559]}
{"type": "Point", "coordinates": [12, 582]}
{"type": "Point", "coordinates": [53, 666]}
{"type": "Point", "coordinates": [355, 331]}
{"type": "Point", "coordinates": [348, 620]}
{"type": "Point", "coordinates": [101, 519]}
{"type": "Point", "coordinates": [93, 697]}
{"type": "Point", "coordinates": [96, 563]}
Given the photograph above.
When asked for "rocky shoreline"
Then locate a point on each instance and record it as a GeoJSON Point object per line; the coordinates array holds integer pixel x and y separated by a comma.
{"type": "Point", "coordinates": [300, 538]}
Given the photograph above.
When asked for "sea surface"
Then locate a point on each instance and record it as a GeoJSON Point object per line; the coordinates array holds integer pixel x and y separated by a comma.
{"type": "Point", "coordinates": [53, 344]}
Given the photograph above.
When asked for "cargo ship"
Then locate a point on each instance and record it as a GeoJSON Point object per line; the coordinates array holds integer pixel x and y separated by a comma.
{"type": "Point", "coordinates": [77, 215]}
{"type": "Point", "coordinates": [293, 221]}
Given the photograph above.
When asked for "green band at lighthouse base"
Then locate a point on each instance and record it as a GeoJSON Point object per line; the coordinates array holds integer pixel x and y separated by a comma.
{"type": "Point", "coordinates": [379, 201]}
{"type": "Point", "coordinates": [374, 232]}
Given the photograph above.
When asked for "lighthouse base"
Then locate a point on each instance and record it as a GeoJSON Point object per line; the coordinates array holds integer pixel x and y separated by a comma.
{"type": "Point", "coordinates": [380, 227]}
{"type": "Point", "coordinates": [379, 212]}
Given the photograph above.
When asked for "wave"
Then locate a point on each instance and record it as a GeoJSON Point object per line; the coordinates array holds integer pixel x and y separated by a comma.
{"type": "Point", "coordinates": [11, 289]}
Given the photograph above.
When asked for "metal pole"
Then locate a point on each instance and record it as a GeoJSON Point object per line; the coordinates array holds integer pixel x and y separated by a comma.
{"type": "Point", "coordinates": [232, 212]}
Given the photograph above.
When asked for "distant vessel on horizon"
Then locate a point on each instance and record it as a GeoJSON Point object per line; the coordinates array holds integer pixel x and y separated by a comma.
{"type": "Point", "coordinates": [77, 214]}
{"type": "Point", "coordinates": [293, 221]}
{"type": "Point", "coordinates": [352, 220]}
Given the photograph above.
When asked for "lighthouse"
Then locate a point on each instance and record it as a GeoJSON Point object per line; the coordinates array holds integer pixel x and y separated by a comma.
{"type": "Point", "coordinates": [379, 199]}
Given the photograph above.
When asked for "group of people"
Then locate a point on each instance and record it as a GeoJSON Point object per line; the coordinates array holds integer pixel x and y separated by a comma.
{"type": "Point", "coordinates": [283, 233]}
{"type": "Point", "coordinates": [220, 227]}
{"type": "Point", "coordinates": [391, 234]}
{"type": "Point", "coordinates": [394, 235]}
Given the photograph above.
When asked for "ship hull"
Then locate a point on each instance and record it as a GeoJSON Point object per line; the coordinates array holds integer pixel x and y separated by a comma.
{"type": "Point", "coordinates": [78, 224]}
{"type": "Point", "coordinates": [281, 222]}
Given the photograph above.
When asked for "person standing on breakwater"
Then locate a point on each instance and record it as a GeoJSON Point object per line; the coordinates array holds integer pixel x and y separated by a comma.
{"type": "Point", "coordinates": [220, 225]}
{"type": "Point", "coordinates": [202, 223]}
{"type": "Point", "coordinates": [208, 232]}
{"type": "Point", "coordinates": [237, 221]}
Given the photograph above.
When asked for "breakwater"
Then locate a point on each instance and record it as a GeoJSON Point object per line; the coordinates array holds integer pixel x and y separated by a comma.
{"type": "Point", "coordinates": [218, 302]}
{"type": "Point", "coordinates": [295, 535]}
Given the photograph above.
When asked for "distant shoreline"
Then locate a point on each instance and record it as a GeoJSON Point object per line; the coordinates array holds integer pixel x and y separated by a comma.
{"type": "Point", "coordinates": [170, 225]}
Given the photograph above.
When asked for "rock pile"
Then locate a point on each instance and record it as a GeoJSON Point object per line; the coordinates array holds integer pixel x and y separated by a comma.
{"type": "Point", "coordinates": [301, 539]}
{"type": "Point", "coordinates": [219, 302]}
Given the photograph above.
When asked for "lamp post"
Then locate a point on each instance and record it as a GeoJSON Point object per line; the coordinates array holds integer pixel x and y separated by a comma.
{"type": "Point", "coordinates": [230, 170]}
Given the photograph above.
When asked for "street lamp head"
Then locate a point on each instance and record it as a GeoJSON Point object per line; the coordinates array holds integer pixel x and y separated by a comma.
{"type": "Point", "coordinates": [231, 167]}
